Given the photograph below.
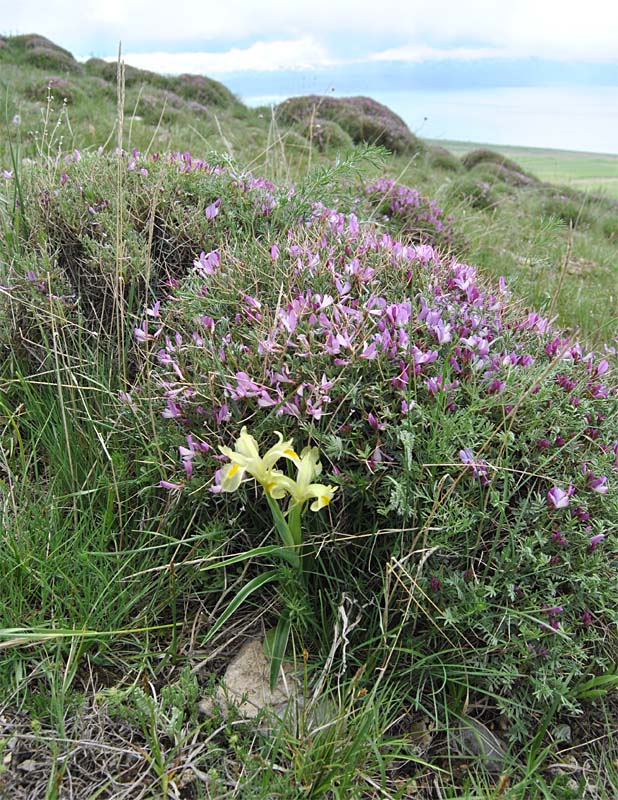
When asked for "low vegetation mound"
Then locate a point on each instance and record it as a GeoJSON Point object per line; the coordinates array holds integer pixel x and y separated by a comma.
{"type": "Point", "coordinates": [496, 172]}
{"type": "Point", "coordinates": [442, 159]}
{"type": "Point", "coordinates": [204, 90]}
{"type": "Point", "coordinates": [55, 86]}
{"type": "Point", "coordinates": [325, 135]}
{"type": "Point", "coordinates": [363, 119]}
{"type": "Point", "coordinates": [412, 217]}
{"type": "Point", "coordinates": [197, 88]}
{"type": "Point", "coordinates": [474, 192]}
{"type": "Point", "coordinates": [474, 447]}
{"type": "Point", "coordinates": [506, 165]}
{"type": "Point", "coordinates": [38, 51]}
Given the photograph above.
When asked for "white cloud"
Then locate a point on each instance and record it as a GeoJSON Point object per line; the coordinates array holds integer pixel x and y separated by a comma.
{"type": "Point", "coordinates": [419, 53]}
{"type": "Point", "coordinates": [301, 54]}
{"type": "Point", "coordinates": [548, 28]}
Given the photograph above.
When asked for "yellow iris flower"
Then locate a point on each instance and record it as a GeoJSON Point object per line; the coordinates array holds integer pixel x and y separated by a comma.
{"type": "Point", "coordinates": [303, 488]}
{"type": "Point", "coordinates": [245, 458]}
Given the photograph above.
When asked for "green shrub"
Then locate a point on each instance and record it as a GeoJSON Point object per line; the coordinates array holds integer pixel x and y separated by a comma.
{"type": "Point", "coordinates": [609, 227]}
{"type": "Point", "coordinates": [477, 193]}
{"type": "Point", "coordinates": [575, 211]}
{"type": "Point", "coordinates": [326, 135]}
{"type": "Point", "coordinates": [440, 158]}
{"type": "Point", "coordinates": [484, 156]}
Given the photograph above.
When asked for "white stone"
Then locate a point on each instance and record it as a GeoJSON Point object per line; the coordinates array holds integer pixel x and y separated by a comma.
{"type": "Point", "coordinates": [246, 684]}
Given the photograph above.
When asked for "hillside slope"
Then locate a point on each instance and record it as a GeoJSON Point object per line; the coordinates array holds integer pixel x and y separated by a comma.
{"type": "Point", "coordinates": [558, 246]}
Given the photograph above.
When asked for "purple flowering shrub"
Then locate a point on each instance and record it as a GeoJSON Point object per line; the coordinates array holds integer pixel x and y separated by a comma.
{"type": "Point", "coordinates": [483, 435]}
{"type": "Point", "coordinates": [362, 118]}
{"type": "Point", "coordinates": [169, 207]}
{"type": "Point", "coordinates": [413, 217]}
{"type": "Point", "coordinates": [475, 447]}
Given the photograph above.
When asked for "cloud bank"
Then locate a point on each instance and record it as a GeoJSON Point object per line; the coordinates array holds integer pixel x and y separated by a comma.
{"type": "Point", "coordinates": [276, 34]}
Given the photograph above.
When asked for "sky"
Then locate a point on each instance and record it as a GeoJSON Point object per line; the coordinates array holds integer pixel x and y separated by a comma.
{"type": "Point", "coordinates": [283, 47]}
{"type": "Point", "coordinates": [219, 36]}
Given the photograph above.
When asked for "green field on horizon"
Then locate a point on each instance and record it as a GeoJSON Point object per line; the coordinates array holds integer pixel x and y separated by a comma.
{"type": "Point", "coordinates": [596, 172]}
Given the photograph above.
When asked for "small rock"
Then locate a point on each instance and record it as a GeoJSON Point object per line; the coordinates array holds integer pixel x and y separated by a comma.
{"type": "Point", "coordinates": [472, 738]}
{"type": "Point", "coordinates": [246, 685]}
{"type": "Point", "coordinates": [29, 765]}
{"type": "Point", "coordinates": [421, 735]}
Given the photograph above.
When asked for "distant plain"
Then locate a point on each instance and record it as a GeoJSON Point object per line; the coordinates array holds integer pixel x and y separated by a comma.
{"type": "Point", "coordinates": [592, 172]}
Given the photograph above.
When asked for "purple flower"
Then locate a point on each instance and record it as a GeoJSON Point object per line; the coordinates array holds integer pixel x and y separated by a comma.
{"type": "Point", "coordinates": [141, 334]}
{"type": "Point", "coordinates": [553, 613]}
{"type": "Point", "coordinates": [170, 485]}
{"type": "Point", "coordinates": [477, 465]}
{"type": "Point", "coordinates": [172, 411]}
{"type": "Point", "coordinates": [207, 263]}
{"type": "Point", "coordinates": [594, 542]}
{"type": "Point", "coordinates": [154, 311]}
{"type": "Point", "coordinates": [216, 487]}
{"type": "Point", "coordinates": [598, 485]}
{"type": "Point", "coordinates": [374, 422]}
{"type": "Point", "coordinates": [369, 351]}
{"type": "Point", "coordinates": [496, 386]}
{"type": "Point", "coordinates": [557, 498]}
{"type": "Point", "coordinates": [213, 209]}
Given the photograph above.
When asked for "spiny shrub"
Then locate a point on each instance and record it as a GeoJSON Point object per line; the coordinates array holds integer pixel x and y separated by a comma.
{"type": "Point", "coordinates": [162, 209]}
{"type": "Point", "coordinates": [487, 439]}
{"type": "Point", "coordinates": [475, 448]}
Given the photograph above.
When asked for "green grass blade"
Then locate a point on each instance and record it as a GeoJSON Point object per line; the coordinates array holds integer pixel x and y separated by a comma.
{"type": "Point", "coordinates": [283, 529]}
{"type": "Point", "coordinates": [276, 646]}
{"type": "Point", "coordinates": [253, 586]}
{"type": "Point", "coordinates": [267, 550]}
